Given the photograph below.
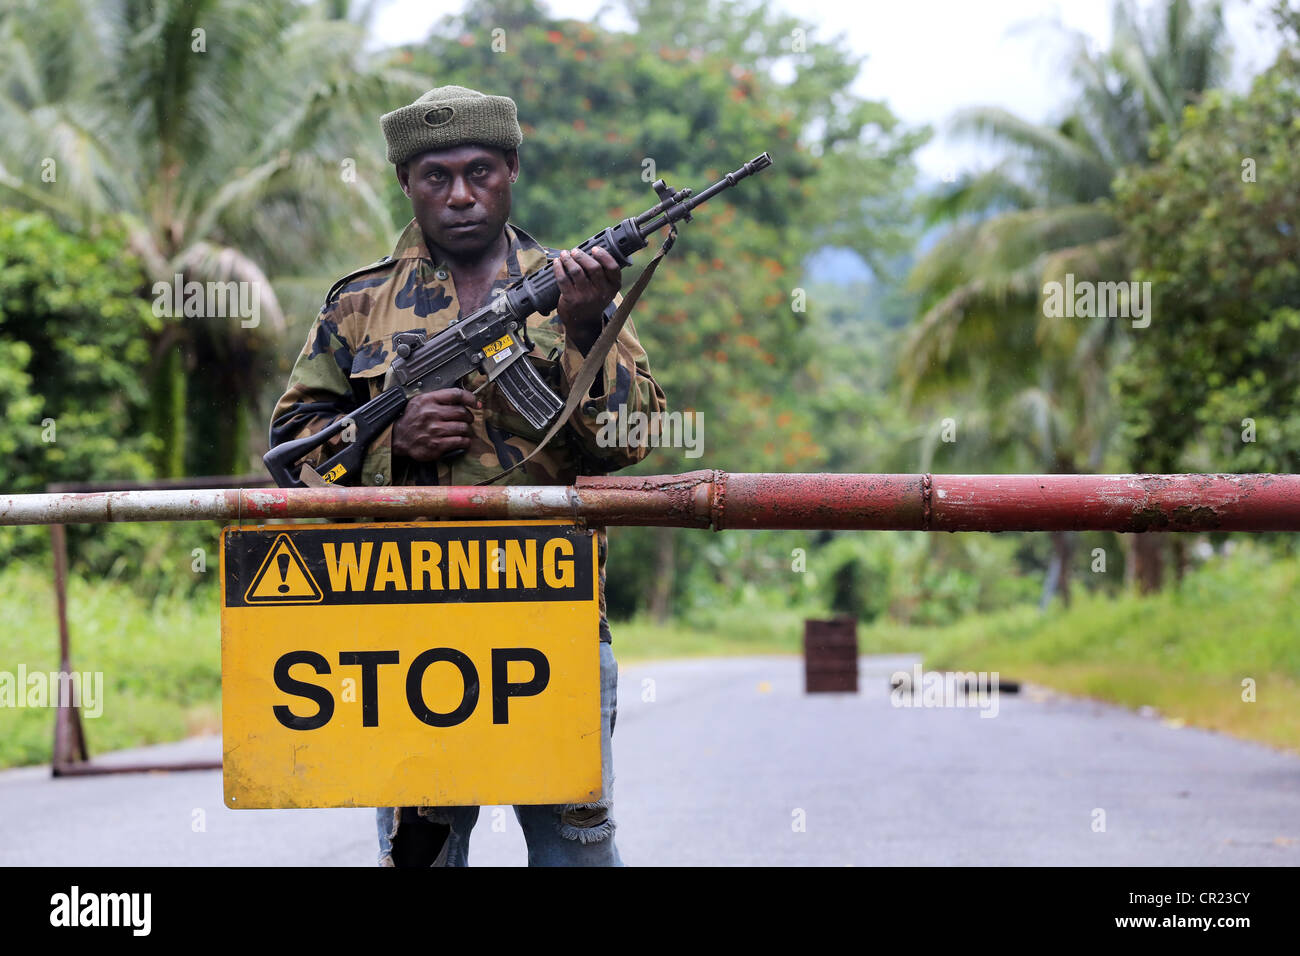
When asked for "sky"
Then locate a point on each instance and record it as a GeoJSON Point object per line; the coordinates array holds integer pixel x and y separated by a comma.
{"type": "Point", "coordinates": [928, 58]}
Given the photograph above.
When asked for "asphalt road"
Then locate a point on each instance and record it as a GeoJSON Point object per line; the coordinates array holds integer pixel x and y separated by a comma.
{"type": "Point", "coordinates": [731, 757]}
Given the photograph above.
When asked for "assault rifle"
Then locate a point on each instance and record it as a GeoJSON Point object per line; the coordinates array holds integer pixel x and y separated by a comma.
{"type": "Point", "coordinates": [493, 340]}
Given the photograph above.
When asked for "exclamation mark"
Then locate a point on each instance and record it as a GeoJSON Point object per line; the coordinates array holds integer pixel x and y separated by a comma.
{"type": "Point", "coordinates": [283, 561]}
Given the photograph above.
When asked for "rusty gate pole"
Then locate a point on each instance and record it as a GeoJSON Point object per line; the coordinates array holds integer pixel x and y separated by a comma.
{"type": "Point", "coordinates": [71, 756]}
{"type": "Point", "coordinates": [723, 500]}
{"type": "Point", "coordinates": [69, 737]}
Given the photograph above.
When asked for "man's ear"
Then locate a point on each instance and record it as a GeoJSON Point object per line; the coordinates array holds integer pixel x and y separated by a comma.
{"type": "Point", "coordinates": [404, 178]}
{"type": "Point", "coordinates": [512, 163]}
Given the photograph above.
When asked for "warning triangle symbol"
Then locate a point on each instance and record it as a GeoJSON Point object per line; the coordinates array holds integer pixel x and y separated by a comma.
{"type": "Point", "coordinates": [283, 578]}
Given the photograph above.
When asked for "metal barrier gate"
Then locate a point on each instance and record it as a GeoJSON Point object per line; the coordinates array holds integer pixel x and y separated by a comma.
{"type": "Point", "coordinates": [699, 499]}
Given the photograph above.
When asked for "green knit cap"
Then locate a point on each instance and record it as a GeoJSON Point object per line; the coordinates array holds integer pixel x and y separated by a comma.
{"type": "Point", "coordinates": [450, 116]}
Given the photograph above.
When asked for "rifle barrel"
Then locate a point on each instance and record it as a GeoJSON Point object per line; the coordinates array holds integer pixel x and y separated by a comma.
{"type": "Point", "coordinates": [678, 210]}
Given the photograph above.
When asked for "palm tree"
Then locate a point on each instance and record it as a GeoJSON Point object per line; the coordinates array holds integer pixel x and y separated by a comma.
{"type": "Point", "coordinates": [1043, 381]}
{"type": "Point", "coordinates": [220, 132]}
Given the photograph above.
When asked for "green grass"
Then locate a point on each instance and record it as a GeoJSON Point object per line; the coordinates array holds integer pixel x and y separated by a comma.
{"type": "Point", "coordinates": [721, 632]}
{"type": "Point", "coordinates": [161, 662]}
{"type": "Point", "coordinates": [1184, 652]}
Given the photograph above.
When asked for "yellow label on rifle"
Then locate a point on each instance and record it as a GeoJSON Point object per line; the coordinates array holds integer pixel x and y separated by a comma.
{"type": "Point", "coordinates": [499, 345]}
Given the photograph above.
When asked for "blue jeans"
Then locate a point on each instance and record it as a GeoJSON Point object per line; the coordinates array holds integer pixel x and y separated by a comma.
{"type": "Point", "coordinates": [580, 834]}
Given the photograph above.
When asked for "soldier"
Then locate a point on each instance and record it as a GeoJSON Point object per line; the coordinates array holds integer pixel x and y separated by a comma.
{"type": "Point", "coordinates": [455, 154]}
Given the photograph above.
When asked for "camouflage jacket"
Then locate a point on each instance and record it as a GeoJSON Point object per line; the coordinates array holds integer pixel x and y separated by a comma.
{"type": "Point", "coordinates": [350, 346]}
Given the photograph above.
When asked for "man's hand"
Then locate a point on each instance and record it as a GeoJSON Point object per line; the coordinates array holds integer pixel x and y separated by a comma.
{"type": "Point", "coordinates": [435, 423]}
{"type": "Point", "coordinates": [587, 285]}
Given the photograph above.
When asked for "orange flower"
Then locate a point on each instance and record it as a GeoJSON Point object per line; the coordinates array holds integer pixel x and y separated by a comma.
{"type": "Point", "coordinates": [579, 125]}
{"type": "Point", "coordinates": [554, 36]}
{"type": "Point", "coordinates": [785, 418]}
{"type": "Point", "coordinates": [579, 54]}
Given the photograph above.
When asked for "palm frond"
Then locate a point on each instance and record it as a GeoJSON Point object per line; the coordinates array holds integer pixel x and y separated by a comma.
{"type": "Point", "coordinates": [205, 262]}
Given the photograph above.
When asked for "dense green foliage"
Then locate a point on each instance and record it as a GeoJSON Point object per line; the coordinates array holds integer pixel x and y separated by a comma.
{"type": "Point", "coordinates": [75, 352]}
{"type": "Point", "coordinates": [225, 136]}
{"type": "Point", "coordinates": [1214, 225]}
{"type": "Point", "coordinates": [1036, 386]}
{"type": "Point", "coordinates": [73, 342]}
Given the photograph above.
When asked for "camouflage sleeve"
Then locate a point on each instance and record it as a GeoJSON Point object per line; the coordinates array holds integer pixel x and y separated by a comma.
{"type": "Point", "coordinates": [623, 387]}
{"type": "Point", "coordinates": [320, 392]}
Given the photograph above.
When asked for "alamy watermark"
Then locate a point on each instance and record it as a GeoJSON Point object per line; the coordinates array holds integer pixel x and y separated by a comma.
{"type": "Point", "coordinates": [213, 300]}
{"type": "Point", "coordinates": [946, 689]}
{"type": "Point", "coordinates": [1098, 300]}
{"type": "Point", "coordinates": [128, 910]}
{"type": "Point", "coordinates": [652, 430]}
{"type": "Point", "coordinates": [53, 689]}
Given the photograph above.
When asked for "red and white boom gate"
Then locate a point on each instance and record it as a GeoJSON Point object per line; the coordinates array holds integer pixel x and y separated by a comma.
{"type": "Point", "coordinates": [709, 499]}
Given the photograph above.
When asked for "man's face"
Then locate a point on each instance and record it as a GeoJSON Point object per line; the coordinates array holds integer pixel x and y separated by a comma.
{"type": "Point", "coordinates": [461, 196]}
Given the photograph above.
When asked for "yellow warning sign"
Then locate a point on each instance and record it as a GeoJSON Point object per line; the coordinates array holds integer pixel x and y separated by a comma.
{"type": "Point", "coordinates": [283, 578]}
{"type": "Point", "coordinates": [449, 663]}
